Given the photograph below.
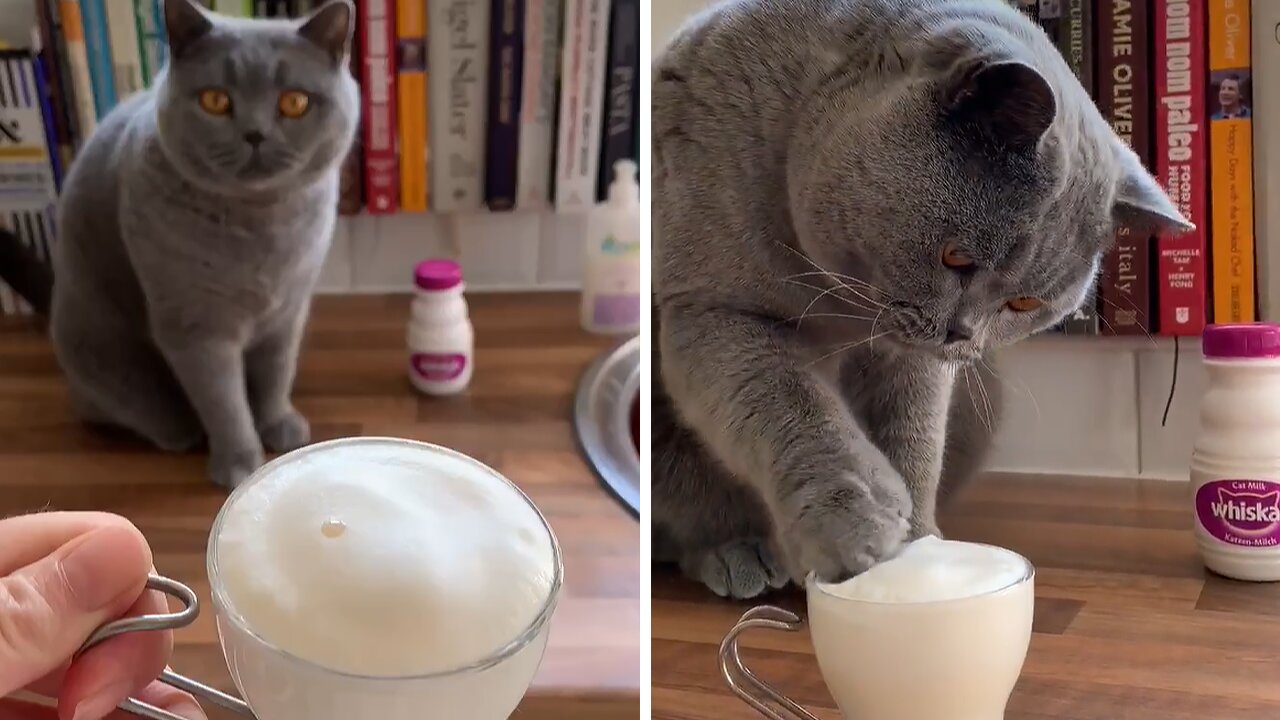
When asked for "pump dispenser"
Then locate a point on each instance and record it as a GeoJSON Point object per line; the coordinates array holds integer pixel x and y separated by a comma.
{"type": "Point", "coordinates": [611, 278]}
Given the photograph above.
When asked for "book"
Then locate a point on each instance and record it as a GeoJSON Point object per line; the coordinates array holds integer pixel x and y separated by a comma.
{"type": "Point", "coordinates": [1230, 107]}
{"type": "Point", "coordinates": [84, 105]}
{"type": "Point", "coordinates": [233, 8]}
{"type": "Point", "coordinates": [621, 113]}
{"type": "Point", "coordinates": [98, 49]}
{"type": "Point", "coordinates": [582, 74]}
{"type": "Point", "coordinates": [381, 161]}
{"type": "Point", "coordinates": [1180, 160]}
{"type": "Point", "coordinates": [38, 86]}
{"type": "Point", "coordinates": [350, 175]}
{"type": "Point", "coordinates": [506, 63]}
{"type": "Point", "coordinates": [411, 86]}
{"type": "Point", "coordinates": [126, 61]}
{"type": "Point", "coordinates": [457, 47]}
{"type": "Point", "coordinates": [27, 184]}
{"type": "Point", "coordinates": [1265, 49]}
{"type": "Point", "coordinates": [1124, 98]}
{"type": "Point", "coordinates": [538, 106]}
{"type": "Point", "coordinates": [50, 52]}
{"type": "Point", "coordinates": [1070, 24]}
{"type": "Point", "coordinates": [154, 46]}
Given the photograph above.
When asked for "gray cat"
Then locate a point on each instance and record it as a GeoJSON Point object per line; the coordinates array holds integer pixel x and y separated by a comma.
{"type": "Point", "coordinates": [855, 203]}
{"type": "Point", "coordinates": [193, 226]}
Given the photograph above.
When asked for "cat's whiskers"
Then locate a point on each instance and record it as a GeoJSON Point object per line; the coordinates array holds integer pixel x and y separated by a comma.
{"type": "Point", "coordinates": [1009, 382]}
{"type": "Point", "coordinates": [1117, 307]}
{"type": "Point", "coordinates": [842, 279]}
{"type": "Point", "coordinates": [984, 411]}
{"type": "Point", "coordinates": [847, 347]}
{"type": "Point", "coordinates": [799, 318]}
{"type": "Point", "coordinates": [824, 291]}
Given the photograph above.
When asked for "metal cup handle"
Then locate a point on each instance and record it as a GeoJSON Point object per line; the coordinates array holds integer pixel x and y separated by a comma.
{"type": "Point", "coordinates": [744, 683]}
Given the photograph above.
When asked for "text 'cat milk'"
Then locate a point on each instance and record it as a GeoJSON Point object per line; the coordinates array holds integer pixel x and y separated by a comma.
{"type": "Point", "coordinates": [1235, 465]}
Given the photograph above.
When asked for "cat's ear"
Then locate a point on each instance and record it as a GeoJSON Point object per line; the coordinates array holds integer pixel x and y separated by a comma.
{"type": "Point", "coordinates": [184, 24]}
{"type": "Point", "coordinates": [331, 29]}
{"type": "Point", "coordinates": [1141, 204]}
{"type": "Point", "coordinates": [1008, 102]}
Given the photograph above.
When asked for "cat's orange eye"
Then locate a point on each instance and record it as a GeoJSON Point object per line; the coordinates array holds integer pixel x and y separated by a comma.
{"type": "Point", "coordinates": [1024, 304]}
{"type": "Point", "coordinates": [215, 102]}
{"type": "Point", "coordinates": [294, 104]}
{"type": "Point", "coordinates": [954, 258]}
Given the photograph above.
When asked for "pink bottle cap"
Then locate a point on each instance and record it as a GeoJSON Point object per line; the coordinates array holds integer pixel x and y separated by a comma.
{"type": "Point", "coordinates": [437, 274]}
{"type": "Point", "coordinates": [1241, 340]}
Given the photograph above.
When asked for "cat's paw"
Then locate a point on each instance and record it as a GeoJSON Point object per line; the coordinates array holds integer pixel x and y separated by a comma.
{"type": "Point", "coordinates": [230, 468]}
{"type": "Point", "coordinates": [922, 529]}
{"type": "Point", "coordinates": [841, 528]}
{"type": "Point", "coordinates": [290, 432]}
{"type": "Point", "coordinates": [739, 569]}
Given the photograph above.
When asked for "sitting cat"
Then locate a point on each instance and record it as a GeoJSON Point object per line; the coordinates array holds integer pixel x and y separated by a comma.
{"type": "Point", "coordinates": [855, 203]}
{"type": "Point", "coordinates": [193, 226]}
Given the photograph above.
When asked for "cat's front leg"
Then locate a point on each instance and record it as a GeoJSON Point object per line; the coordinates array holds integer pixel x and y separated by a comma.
{"type": "Point", "coordinates": [905, 400]}
{"type": "Point", "coordinates": [838, 504]}
{"type": "Point", "coordinates": [272, 364]}
{"type": "Point", "coordinates": [212, 373]}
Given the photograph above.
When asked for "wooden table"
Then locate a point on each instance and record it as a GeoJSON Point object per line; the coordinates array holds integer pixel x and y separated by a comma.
{"type": "Point", "coordinates": [1128, 625]}
{"type": "Point", "coordinates": [515, 417]}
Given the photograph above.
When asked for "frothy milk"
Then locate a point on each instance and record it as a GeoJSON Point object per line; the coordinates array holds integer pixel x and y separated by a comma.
{"type": "Point", "coordinates": [941, 630]}
{"type": "Point", "coordinates": [385, 559]}
{"type": "Point", "coordinates": [932, 570]}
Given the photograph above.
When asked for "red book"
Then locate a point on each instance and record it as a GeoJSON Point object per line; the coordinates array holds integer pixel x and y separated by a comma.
{"type": "Point", "coordinates": [1182, 150]}
{"type": "Point", "coordinates": [1124, 98]}
{"type": "Point", "coordinates": [378, 93]}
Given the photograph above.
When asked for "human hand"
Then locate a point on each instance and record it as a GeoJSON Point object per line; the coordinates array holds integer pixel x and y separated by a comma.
{"type": "Point", "coordinates": [63, 575]}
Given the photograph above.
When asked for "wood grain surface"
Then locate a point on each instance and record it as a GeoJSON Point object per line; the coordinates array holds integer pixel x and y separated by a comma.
{"type": "Point", "coordinates": [1128, 626]}
{"type": "Point", "coordinates": [352, 381]}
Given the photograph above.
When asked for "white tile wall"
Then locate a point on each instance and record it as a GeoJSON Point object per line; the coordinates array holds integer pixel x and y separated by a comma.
{"type": "Point", "coordinates": [498, 251]}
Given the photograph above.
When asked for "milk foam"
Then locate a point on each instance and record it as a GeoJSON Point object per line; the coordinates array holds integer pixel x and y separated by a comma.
{"type": "Point", "coordinates": [384, 559]}
{"type": "Point", "coordinates": [931, 570]}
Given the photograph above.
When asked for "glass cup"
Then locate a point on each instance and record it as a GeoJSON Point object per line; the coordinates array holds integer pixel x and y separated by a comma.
{"type": "Point", "coordinates": [957, 659]}
{"type": "Point", "coordinates": [278, 685]}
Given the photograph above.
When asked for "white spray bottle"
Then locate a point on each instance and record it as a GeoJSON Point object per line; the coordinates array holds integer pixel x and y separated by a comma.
{"type": "Point", "coordinates": [611, 278]}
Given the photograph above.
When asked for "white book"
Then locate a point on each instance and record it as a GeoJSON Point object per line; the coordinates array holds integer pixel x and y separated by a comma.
{"type": "Point", "coordinates": [78, 60]}
{"type": "Point", "coordinates": [1266, 157]}
{"type": "Point", "coordinates": [582, 76]}
{"type": "Point", "coordinates": [126, 56]}
{"type": "Point", "coordinates": [458, 77]}
{"type": "Point", "coordinates": [538, 107]}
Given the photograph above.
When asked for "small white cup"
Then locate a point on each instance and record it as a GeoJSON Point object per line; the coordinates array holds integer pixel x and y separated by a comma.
{"type": "Point", "coordinates": [959, 659]}
{"type": "Point", "coordinates": [280, 686]}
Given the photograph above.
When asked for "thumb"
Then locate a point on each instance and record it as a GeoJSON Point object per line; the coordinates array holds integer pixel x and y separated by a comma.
{"type": "Point", "coordinates": [50, 607]}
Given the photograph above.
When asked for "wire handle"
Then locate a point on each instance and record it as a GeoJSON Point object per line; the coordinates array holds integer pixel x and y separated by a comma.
{"type": "Point", "coordinates": [756, 691]}
{"type": "Point", "coordinates": [167, 621]}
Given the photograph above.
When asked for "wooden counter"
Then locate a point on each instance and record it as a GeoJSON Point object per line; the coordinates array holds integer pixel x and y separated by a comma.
{"type": "Point", "coordinates": [1128, 625]}
{"type": "Point", "coordinates": [515, 417]}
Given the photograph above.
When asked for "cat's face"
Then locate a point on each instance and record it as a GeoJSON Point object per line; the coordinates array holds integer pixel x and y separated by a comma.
{"type": "Point", "coordinates": [249, 106]}
{"type": "Point", "coordinates": [973, 207]}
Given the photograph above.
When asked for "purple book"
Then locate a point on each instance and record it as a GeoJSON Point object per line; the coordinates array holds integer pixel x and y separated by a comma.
{"type": "Point", "coordinates": [506, 63]}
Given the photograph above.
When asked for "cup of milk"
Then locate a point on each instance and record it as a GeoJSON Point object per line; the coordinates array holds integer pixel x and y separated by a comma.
{"type": "Point", "coordinates": [382, 578]}
{"type": "Point", "coordinates": [941, 630]}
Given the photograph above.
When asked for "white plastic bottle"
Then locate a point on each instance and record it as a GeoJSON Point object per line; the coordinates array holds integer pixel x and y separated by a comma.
{"type": "Point", "coordinates": [441, 338]}
{"type": "Point", "coordinates": [611, 280]}
{"type": "Point", "coordinates": [1235, 464]}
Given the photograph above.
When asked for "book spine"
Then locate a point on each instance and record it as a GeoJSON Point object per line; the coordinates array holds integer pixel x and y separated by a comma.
{"type": "Point", "coordinates": [1181, 147]}
{"type": "Point", "coordinates": [230, 8]}
{"type": "Point", "coordinates": [55, 78]}
{"type": "Point", "coordinates": [350, 175]}
{"type": "Point", "coordinates": [1124, 98]}
{"type": "Point", "coordinates": [160, 39]}
{"type": "Point", "coordinates": [141, 27]}
{"type": "Point", "coordinates": [582, 105]}
{"type": "Point", "coordinates": [85, 104]}
{"type": "Point", "coordinates": [1230, 108]}
{"type": "Point", "coordinates": [458, 40]}
{"type": "Point", "coordinates": [1075, 42]}
{"type": "Point", "coordinates": [538, 103]}
{"type": "Point", "coordinates": [624, 72]}
{"type": "Point", "coordinates": [126, 65]}
{"type": "Point", "coordinates": [98, 48]}
{"type": "Point", "coordinates": [506, 72]}
{"type": "Point", "coordinates": [381, 164]}
{"type": "Point", "coordinates": [1266, 161]}
{"type": "Point", "coordinates": [38, 84]}
{"type": "Point", "coordinates": [411, 84]}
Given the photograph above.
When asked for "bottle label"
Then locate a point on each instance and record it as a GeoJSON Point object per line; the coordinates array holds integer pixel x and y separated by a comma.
{"type": "Point", "coordinates": [438, 367]}
{"type": "Point", "coordinates": [1240, 512]}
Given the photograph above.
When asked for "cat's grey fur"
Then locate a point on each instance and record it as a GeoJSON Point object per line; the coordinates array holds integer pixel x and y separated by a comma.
{"type": "Point", "coordinates": [811, 158]}
{"type": "Point", "coordinates": [187, 256]}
